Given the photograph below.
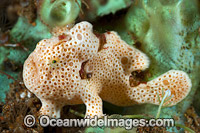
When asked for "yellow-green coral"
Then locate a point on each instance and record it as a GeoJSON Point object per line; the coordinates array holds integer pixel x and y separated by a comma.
{"type": "Point", "coordinates": [59, 12]}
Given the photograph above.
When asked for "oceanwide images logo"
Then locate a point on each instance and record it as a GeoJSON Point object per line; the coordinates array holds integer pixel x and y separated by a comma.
{"type": "Point", "coordinates": [128, 124]}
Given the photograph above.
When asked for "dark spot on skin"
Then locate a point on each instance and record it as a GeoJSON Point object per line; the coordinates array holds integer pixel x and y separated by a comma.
{"type": "Point", "coordinates": [102, 40]}
{"type": "Point", "coordinates": [82, 72]}
{"type": "Point", "coordinates": [64, 36]}
{"type": "Point", "coordinates": [137, 77]}
{"type": "Point", "coordinates": [61, 37]}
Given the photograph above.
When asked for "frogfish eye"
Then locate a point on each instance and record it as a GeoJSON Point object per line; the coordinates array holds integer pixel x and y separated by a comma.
{"type": "Point", "coordinates": [54, 61]}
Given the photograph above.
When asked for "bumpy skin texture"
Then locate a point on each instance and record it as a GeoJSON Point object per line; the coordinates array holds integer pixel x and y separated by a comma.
{"type": "Point", "coordinates": [52, 73]}
{"type": "Point", "coordinates": [112, 67]}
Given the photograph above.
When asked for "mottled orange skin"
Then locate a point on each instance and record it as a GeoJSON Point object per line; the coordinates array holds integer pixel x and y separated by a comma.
{"type": "Point", "coordinates": [52, 73]}
{"type": "Point", "coordinates": [112, 67]}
